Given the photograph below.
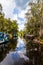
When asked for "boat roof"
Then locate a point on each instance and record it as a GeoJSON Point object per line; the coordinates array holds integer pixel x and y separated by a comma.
{"type": "Point", "coordinates": [1, 32]}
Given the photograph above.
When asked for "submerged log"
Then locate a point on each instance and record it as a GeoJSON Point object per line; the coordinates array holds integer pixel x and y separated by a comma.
{"type": "Point", "coordinates": [37, 41]}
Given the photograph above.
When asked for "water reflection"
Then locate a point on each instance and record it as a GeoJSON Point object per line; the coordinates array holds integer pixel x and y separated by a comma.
{"type": "Point", "coordinates": [33, 53]}
{"type": "Point", "coordinates": [12, 44]}
{"type": "Point", "coordinates": [14, 58]}
{"type": "Point", "coordinates": [2, 55]}
{"type": "Point", "coordinates": [21, 52]}
{"type": "Point", "coordinates": [21, 46]}
{"type": "Point", "coordinates": [5, 50]}
{"type": "Point", "coordinates": [15, 53]}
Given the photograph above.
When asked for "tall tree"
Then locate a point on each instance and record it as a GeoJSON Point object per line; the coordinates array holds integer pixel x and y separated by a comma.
{"type": "Point", "coordinates": [0, 8]}
{"type": "Point", "coordinates": [35, 18]}
{"type": "Point", "coordinates": [7, 25]}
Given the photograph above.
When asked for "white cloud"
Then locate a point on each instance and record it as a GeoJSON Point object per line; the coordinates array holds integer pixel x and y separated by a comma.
{"type": "Point", "coordinates": [23, 12]}
{"type": "Point", "coordinates": [22, 15]}
{"type": "Point", "coordinates": [8, 6]}
{"type": "Point", "coordinates": [14, 17]}
{"type": "Point", "coordinates": [21, 27]}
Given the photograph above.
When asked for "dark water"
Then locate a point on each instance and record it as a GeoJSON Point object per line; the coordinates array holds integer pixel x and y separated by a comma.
{"type": "Point", "coordinates": [21, 52]}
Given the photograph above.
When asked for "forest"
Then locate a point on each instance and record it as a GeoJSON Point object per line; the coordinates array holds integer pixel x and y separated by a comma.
{"type": "Point", "coordinates": [6, 24]}
{"type": "Point", "coordinates": [34, 18]}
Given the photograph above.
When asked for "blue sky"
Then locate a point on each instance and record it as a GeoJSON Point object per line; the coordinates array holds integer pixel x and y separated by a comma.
{"type": "Point", "coordinates": [15, 9]}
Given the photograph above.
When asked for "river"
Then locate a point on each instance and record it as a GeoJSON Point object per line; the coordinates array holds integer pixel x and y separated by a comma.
{"type": "Point", "coordinates": [20, 52]}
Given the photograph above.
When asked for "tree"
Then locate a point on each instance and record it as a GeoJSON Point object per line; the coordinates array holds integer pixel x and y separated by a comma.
{"type": "Point", "coordinates": [35, 18]}
{"type": "Point", "coordinates": [1, 19]}
{"type": "Point", "coordinates": [7, 25]}
{"type": "Point", "coordinates": [0, 8]}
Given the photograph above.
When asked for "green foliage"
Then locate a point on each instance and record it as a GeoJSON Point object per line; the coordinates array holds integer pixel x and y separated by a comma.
{"type": "Point", "coordinates": [0, 8]}
{"type": "Point", "coordinates": [7, 25]}
{"type": "Point", "coordinates": [21, 33]}
{"type": "Point", "coordinates": [34, 17]}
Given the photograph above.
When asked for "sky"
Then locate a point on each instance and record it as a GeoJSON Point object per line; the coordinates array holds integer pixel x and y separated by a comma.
{"type": "Point", "coordinates": [16, 9]}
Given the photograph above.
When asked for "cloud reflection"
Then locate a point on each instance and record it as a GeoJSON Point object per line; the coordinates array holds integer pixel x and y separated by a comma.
{"type": "Point", "coordinates": [15, 58]}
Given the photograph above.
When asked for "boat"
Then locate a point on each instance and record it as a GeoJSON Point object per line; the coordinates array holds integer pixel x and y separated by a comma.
{"type": "Point", "coordinates": [15, 36]}
{"type": "Point", "coordinates": [3, 38]}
